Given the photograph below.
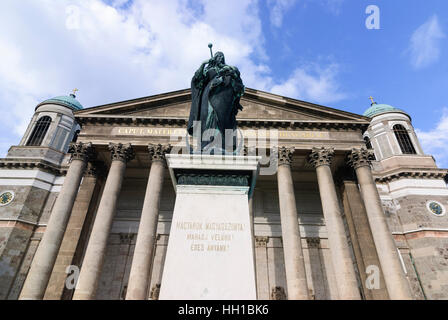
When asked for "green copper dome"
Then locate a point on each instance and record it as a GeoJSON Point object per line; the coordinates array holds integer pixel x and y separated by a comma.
{"type": "Point", "coordinates": [379, 108]}
{"type": "Point", "coordinates": [66, 101]}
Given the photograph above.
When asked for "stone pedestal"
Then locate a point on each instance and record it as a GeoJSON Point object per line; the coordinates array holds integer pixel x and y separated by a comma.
{"type": "Point", "coordinates": [210, 254]}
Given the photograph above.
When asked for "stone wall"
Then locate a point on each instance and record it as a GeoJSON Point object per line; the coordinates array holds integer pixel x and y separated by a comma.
{"type": "Point", "coordinates": [18, 220]}
{"type": "Point", "coordinates": [423, 241]}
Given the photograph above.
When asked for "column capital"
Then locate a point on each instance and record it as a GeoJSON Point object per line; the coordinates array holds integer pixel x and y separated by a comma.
{"type": "Point", "coordinates": [121, 152]}
{"type": "Point", "coordinates": [360, 157]}
{"type": "Point", "coordinates": [321, 156]}
{"type": "Point", "coordinates": [81, 151]}
{"type": "Point", "coordinates": [285, 155]}
{"type": "Point", "coordinates": [261, 242]}
{"type": "Point", "coordinates": [157, 152]}
{"type": "Point", "coordinates": [313, 242]}
{"type": "Point", "coordinates": [126, 238]}
{"type": "Point", "coordinates": [95, 169]}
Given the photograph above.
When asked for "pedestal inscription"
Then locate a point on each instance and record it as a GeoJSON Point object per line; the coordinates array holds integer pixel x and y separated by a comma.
{"type": "Point", "coordinates": [209, 252]}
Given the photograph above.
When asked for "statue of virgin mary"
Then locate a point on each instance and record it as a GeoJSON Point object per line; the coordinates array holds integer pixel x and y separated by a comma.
{"type": "Point", "coordinates": [216, 89]}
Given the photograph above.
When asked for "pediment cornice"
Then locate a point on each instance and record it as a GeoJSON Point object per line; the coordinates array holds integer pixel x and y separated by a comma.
{"type": "Point", "coordinates": [246, 123]}
{"type": "Point", "coordinates": [409, 173]}
{"type": "Point", "coordinates": [287, 112]}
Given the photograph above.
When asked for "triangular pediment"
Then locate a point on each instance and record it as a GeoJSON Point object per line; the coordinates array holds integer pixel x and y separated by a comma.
{"type": "Point", "coordinates": [257, 105]}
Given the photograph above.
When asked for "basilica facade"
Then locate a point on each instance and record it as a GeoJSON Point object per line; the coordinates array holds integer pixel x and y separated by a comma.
{"type": "Point", "coordinates": [345, 206]}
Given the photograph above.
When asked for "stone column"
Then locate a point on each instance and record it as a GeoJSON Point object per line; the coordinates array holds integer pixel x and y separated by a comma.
{"type": "Point", "coordinates": [343, 267]}
{"type": "Point", "coordinates": [261, 269]}
{"type": "Point", "coordinates": [96, 248]}
{"type": "Point", "coordinates": [140, 274]}
{"type": "Point", "coordinates": [396, 282]}
{"type": "Point", "coordinates": [320, 285]}
{"type": "Point", "coordinates": [292, 246]}
{"type": "Point", "coordinates": [45, 257]}
{"type": "Point", "coordinates": [361, 236]}
{"type": "Point", "coordinates": [75, 233]}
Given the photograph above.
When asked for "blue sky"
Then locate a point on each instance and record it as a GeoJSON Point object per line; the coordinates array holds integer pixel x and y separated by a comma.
{"type": "Point", "coordinates": [315, 50]}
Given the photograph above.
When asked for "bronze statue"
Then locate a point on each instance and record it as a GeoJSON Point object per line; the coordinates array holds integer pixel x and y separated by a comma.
{"type": "Point", "coordinates": [216, 89]}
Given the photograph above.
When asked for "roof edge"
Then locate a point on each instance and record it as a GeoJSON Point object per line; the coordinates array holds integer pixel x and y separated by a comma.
{"type": "Point", "coordinates": [251, 93]}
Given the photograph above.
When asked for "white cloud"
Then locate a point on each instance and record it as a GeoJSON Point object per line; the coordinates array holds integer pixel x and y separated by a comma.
{"type": "Point", "coordinates": [312, 83]}
{"type": "Point", "coordinates": [435, 141]}
{"type": "Point", "coordinates": [425, 43]}
{"type": "Point", "coordinates": [125, 50]}
{"type": "Point", "coordinates": [278, 9]}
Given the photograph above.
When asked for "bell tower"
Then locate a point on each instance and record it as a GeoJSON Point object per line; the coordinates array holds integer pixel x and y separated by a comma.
{"type": "Point", "coordinates": [52, 126]}
{"type": "Point", "coordinates": [31, 177]}
{"type": "Point", "coordinates": [391, 134]}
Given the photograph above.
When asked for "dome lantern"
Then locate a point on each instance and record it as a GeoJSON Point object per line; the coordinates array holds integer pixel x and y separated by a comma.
{"type": "Point", "coordinates": [65, 101]}
{"type": "Point", "coordinates": [376, 109]}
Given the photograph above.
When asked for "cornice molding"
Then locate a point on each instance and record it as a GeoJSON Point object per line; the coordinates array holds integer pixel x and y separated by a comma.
{"type": "Point", "coordinates": [32, 164]}
{"type": "Point", "coordinates": [421, 174]}
{"type": "Point", "coordinates": [242, 123]}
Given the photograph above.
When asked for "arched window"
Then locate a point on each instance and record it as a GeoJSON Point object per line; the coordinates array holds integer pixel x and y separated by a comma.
{"type": "Point", "coordinates": [39, 131]}
{"type": "Point", "coordinates": [403, 139]}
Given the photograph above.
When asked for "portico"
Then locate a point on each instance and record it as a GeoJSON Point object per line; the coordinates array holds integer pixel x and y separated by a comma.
{"type": "Point", "coordinates": [303, 241]}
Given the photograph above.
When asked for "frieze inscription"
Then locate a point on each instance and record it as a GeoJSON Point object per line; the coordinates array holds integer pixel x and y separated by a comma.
{"type": "Point", "coordinates": [281, 134]}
